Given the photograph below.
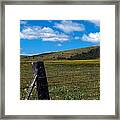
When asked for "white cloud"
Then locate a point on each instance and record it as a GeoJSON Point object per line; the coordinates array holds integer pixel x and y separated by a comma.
{"type": "Point", "coordinates": [69, 26]}
{"type": "Point", "coordinates": [59, 45]}
{"type": "Point", "coordinates": [23, 22]}
{"type": "Point", "coordinates": [43, 33]}
{"type": "Point", "coordinates": [92, 37]}
{"type": "Point", "coordinates": [96, 22]}
{"type": "Point", "coordinates": [77, 37]}
{"type": "Point", "coordinates": [50, 21]}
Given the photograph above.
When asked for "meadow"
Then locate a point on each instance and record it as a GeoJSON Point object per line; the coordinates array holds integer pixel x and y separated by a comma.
{"type": "Point", "coordinates": [67, 79]}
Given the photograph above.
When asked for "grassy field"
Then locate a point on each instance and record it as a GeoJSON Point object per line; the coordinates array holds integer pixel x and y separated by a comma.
{"type": "Point", "coordinates": [67, 79]}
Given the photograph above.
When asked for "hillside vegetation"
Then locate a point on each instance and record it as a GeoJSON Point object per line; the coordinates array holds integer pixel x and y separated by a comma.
{"type": "Point", "coordinates": [74, 54]}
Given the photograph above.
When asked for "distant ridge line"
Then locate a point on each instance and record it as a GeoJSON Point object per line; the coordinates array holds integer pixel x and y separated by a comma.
{"type": "Point", "coordinates": [48, 53]}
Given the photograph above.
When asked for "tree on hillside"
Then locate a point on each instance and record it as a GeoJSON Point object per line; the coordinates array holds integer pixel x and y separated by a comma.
{"type": "Point", "coordinates": [91, 54]}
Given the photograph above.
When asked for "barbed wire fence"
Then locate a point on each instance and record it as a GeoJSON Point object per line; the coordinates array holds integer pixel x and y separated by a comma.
{"type": "Point", "coordinates": [40, 80]}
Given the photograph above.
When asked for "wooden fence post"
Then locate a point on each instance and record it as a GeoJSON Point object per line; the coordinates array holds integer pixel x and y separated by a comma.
{"type": "Point", "coordinates": [41, 80]}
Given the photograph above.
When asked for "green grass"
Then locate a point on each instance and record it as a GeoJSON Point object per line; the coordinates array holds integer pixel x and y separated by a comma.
{"type": "Point", "coordinates": [67, 79]}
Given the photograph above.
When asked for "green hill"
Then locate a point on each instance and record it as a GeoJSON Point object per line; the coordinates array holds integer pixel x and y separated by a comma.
{"type": "Point", "coordinates": [74, 54]}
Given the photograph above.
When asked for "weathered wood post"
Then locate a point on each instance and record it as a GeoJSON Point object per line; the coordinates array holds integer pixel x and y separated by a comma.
{"type": "Point", "coordinates": [41, 80]}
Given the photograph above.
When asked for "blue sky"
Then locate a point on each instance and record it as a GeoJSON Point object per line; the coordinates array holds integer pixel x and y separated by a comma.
{"type": "Point", "coordinates": [42, 36]}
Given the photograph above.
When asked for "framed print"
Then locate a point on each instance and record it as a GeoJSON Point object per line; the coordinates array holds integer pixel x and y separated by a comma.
{"type": "Point", "coordinates": [60, 60]}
